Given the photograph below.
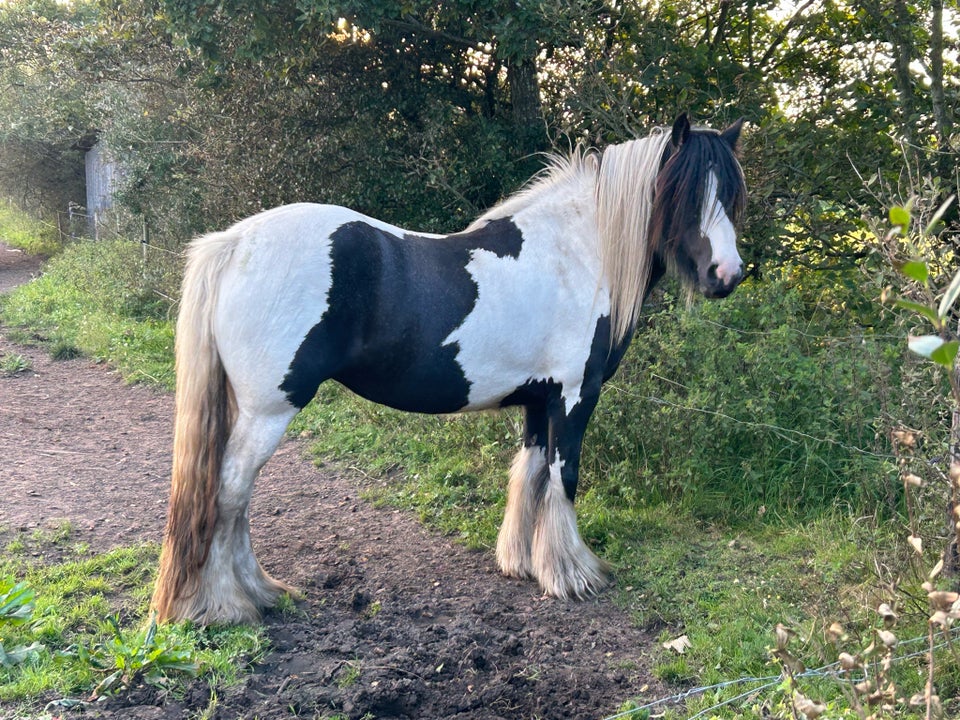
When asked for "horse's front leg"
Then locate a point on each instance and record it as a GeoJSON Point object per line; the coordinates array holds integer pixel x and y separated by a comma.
{"type": "Point", "coordinates": [562, 563]}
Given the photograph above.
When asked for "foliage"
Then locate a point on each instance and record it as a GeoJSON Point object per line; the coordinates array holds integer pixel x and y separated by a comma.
{"type": "Point", "coordinates": [132, 657]}
{"type": "Point", "coordinates": [781, 415]}
{"type": "Point", "coordinates": [19, 230]}
{"type": "Point", "coordinates": [13, 363]}
{"type": "Point", "coordinates": [425, 114]}
{"type": "Point", "coordinates": [16, 608]}
{"type": "Point", "coordinates": [45, 108]}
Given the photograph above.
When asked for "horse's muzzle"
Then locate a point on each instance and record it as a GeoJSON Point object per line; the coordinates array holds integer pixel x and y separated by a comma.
{"type": "Point", "coordinates": [719, 283]}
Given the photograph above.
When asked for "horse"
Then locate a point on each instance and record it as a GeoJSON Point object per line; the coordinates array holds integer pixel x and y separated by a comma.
{"type": "Point", "coordinates": [533, 304]}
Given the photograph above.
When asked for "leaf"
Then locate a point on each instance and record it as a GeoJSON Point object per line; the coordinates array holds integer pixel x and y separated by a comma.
{"type": "Point", "coordinates": [924, 345]}
{"type": "Point", "coordinates": [923, 310]}
{"type": "Point", "coordinates": [16, 602]}
{"type": "Point", "coordinates": [679, 645]}
{"type": "Point", "coordinates": [900, 216]}
{"type": "Point", "coordinates": [916, 270]}
{"type": "Point", "coordinates": [950, 296]}
{"type": "Point", "coordinates": [946, 353]}
{"type": "Point", "coordinates": [9, 658]}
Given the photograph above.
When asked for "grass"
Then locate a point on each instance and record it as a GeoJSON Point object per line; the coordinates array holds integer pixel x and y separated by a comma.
{"type": "Point", "coordinates": [784, 528]}
{"type": "Point", "coordinates": [30, 235]}
{"type": "Point", "coordinates": [90, 626]}
{"type": "Point", "coordinates": [91, 300]}
{"type": "Point", "coordinates": [13, 364]}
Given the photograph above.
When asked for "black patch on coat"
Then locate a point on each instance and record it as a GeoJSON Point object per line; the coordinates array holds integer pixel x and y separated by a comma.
{"type": "Point", "coordinates": [392, 303]}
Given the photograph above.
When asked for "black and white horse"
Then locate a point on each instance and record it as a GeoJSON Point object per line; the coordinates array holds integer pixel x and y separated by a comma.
{"type": "Point", "coordinates": [533, 304]}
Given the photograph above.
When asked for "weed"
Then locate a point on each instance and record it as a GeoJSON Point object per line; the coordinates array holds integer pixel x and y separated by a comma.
{"type": "Point", "coordinates": [286, 605]}
{"type": "Point", "coordinates": [132, 657]}
{"type": "Point", "coordinates": [13, 364]}
{"type": "Point", "coordinates": [64, 350]}
{"type": "Point", "coordinates": [350, 675]}
{"type": "Point", "coordinates": [16, 608]}
{"type": "Point", "coordinates": [372, 610]}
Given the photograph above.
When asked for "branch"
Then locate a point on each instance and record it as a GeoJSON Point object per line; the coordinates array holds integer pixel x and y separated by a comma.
{"type": "Point", "coordinates": [413, 25]}
{"type": "Point", "coordinates": [782, 35]}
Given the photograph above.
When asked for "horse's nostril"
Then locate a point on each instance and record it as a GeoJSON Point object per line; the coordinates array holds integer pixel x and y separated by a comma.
{"type": "Point", "coordinates": [712, 272]}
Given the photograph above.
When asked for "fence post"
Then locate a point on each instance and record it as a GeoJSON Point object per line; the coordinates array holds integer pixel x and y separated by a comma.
{"type": "Point", "coordinates": [144, 242]}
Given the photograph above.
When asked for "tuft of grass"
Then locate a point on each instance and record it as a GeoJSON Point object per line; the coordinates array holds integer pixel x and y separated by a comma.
{"type": "Point", "coordinates": [350, 674]}
{"type": "Point", "coordinates": [14, 363]}
{"type": "Point", "coordinates": [64, 350]}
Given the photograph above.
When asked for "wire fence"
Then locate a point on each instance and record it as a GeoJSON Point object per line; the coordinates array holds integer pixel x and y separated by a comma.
{"type": "Point", "coordinates": [830, 671]}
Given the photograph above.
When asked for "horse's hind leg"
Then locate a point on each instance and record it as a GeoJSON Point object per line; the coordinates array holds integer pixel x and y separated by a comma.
{"type": "Point", "coordinates": [528, 475]}
{"type": "Point", "coordinates": [234, 585]}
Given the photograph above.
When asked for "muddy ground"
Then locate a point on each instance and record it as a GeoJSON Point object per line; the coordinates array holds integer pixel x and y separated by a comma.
{"type": "Point", "coordinates": [397, 622]}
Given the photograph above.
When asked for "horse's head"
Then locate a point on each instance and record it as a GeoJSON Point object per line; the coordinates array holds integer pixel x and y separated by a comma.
{"type": "Point", "coordinates": [698, 204]}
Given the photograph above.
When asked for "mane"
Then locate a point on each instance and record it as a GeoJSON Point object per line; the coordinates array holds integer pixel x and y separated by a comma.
{"type": "Point", "coordinates": [626, 186]}
{"type": "Point", "coordinates": [558, 169]}
{"type": "Point", "coordinates": [624, 177]}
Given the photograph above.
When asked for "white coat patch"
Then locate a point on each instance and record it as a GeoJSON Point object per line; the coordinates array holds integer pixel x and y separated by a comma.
{"type": "Point", "coordinates": [535, 315]}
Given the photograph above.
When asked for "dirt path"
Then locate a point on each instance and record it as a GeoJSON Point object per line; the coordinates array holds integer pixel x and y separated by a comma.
{"type": "Point", "coordinates": [397, 622]}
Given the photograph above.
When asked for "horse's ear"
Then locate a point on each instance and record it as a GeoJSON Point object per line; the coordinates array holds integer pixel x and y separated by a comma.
{"type": "Point", "coordinates": [681, 130]}
{"type": "Point", "coordinates": [732, 133]}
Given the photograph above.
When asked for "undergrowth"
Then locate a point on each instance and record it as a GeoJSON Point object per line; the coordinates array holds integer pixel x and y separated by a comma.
{"type": "Point", "coordinates": [97, 298]}
{"type": "Point", "coordinates": [19, 230]}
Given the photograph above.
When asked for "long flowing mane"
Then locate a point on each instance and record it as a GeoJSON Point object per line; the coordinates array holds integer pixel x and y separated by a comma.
{"type": "Point", "coordinates": [626, 186]}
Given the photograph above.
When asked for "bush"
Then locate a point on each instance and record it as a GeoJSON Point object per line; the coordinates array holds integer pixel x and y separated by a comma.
{"type": "Point", "coordinates": [768, 402]}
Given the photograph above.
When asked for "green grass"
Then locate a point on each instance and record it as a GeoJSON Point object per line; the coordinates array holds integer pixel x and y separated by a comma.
{"type": "Point", "coordinates": [92, 629]}
{"type": "Point", "coordinates": [93, 299]}
{"type": "Point", "coordinates": [13, 364]}
{"type": "Point", "coordinates": [30, 235]}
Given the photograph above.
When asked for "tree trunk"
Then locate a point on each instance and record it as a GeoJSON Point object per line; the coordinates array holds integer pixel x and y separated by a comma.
{"type": "Point", "coordinates": [525, 101]}
{"type": "Point", "coordinates": [946, 155]}
{"type": "Point", "coordinates": [899, 33]}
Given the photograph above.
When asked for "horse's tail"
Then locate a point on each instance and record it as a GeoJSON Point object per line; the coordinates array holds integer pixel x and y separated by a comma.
{"type": "Point", "coordinates": [205, 413]}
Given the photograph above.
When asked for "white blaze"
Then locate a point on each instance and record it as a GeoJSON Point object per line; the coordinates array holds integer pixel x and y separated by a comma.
{"type": "Point", "coordinates": [716, 225]}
